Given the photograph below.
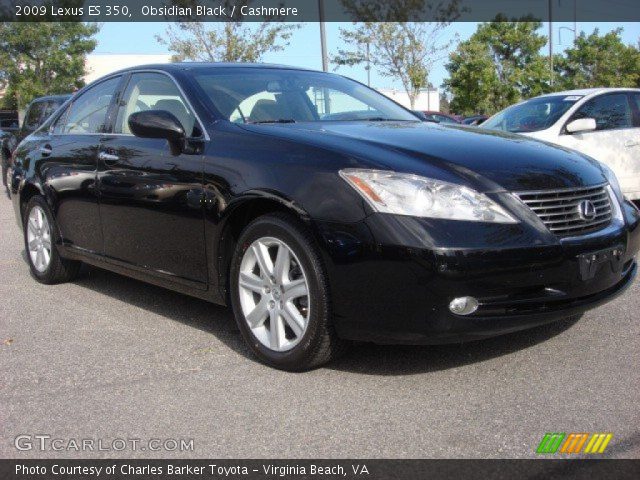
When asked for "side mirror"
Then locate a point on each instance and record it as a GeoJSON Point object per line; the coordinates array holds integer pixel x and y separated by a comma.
{"type": "Point", "coordinates": [581, 125]}
{"type": "Point", "coordinates": [158, 124]}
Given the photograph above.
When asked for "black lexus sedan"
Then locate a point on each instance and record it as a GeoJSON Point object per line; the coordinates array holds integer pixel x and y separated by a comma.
{"type": "Point", "coordinates": [320, 210]}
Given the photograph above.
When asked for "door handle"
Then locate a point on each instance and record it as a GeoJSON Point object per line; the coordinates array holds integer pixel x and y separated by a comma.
{"type": "Point", "coordinates": [631, 143]}
{"type": "Point", "coordinates": [46, 150]}
{"type": "Point", "coordinates": [108, 158]}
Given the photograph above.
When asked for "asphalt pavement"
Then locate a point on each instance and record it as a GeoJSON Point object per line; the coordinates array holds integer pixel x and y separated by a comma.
{"type": "Point", "coordinates": [107, 357]}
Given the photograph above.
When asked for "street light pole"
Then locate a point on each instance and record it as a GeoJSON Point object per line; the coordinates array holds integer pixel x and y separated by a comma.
{"type": "Point", "coordinates": [550, 43]}
{"type": "Point", "coordinates": [368, 67]}
{"type": "Point", "coordinates": [323, 37]}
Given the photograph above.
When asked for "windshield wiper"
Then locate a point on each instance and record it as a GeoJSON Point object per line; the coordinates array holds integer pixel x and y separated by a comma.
{"type": "Point", "coordinates": [279, 120]}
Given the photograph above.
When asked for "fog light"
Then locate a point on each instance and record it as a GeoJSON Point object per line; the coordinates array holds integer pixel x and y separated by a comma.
{"type": "Point", "coordinates": [463, 305]}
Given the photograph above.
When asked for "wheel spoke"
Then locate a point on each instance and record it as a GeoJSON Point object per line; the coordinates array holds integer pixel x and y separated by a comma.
{"type": "Point", "coordinates": [264, 260]}
{"type": "Point", "coordinates": [282, 265]}
{"type": "Point", "coordinates": [258, 315]}
{"type": "Point", "coordinates": [32, 226]}
{"type": "Point", "coordinates": [38, 262]}
{"type": "Point", "coordinates": [46, 256]}
{"type": "Point", "coordinates": [294, 319]}
{"type": "Point", "coordinates": [46, 242]}
{"type": "Point", "coordinates": [294, 289]}
{"type": "Point", "coordinates": [276, 330]}
{"type": "Point", "coordinates": [251, 282]}
{"type": "Point", "coordinates": [39, 217]}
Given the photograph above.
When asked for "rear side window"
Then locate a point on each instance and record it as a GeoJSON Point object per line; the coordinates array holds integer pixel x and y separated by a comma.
{"type": "Point", "coordinates": [610, 112]}
{"type": "Point", "coordinates": [635, 99]}
{"type": "Point", "coordinates": [33, 116]}
{"type": "Point", "coordinates": [88, 113]}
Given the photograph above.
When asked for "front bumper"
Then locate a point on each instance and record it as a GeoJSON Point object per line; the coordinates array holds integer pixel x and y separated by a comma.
{"type": "Point", "coordinates": [392, 278]}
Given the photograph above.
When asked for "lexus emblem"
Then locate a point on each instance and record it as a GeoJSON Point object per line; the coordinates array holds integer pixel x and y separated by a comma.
{"type": "Point", "coordinates": [586, 210]}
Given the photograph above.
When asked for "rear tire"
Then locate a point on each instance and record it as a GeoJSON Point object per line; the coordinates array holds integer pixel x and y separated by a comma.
{"type": "Point", "coordinates": [40, 239]}
{"type": "Point", "coordinates": [288, 307]}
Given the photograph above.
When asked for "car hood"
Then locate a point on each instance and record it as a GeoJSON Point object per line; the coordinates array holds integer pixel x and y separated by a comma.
{"type": "Point", "coordinates": [488, 159]}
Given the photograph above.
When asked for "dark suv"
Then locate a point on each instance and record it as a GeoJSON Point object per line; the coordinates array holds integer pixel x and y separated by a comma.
{"type": "Point", "coordinates": [37, 112]}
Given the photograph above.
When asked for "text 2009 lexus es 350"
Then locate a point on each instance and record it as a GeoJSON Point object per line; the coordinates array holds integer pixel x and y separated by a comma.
{"type": "Point", "coordinates": [319, 209]}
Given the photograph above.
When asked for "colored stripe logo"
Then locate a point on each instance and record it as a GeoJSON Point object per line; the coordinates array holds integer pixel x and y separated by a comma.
{"type": "Point", "coordinates": [574, 443]}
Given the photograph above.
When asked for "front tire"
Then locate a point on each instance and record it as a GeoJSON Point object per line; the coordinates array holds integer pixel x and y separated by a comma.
{"type": "Point", "coordinates": [280, 295]}
{"type": "Point", "coordinates": [40, 239]}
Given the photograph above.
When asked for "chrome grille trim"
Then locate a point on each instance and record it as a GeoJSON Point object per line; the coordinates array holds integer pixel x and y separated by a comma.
{"type": "Point", "coordinates": [558, 209]}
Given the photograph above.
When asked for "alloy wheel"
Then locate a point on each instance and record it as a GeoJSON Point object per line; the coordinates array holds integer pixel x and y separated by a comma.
{"type": "Point", "coordinates": [39, 239]}
{"type": "Point", "coordinates": [274, 294]}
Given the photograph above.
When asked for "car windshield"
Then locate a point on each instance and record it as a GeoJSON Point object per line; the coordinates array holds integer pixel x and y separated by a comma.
{"type": "Point", "coordinates": [253, 95]}
{"type": "Point", "coordinates": [533, 115]}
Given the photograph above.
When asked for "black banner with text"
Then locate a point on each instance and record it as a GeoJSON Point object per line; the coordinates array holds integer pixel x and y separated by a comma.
{"type": "Point", "coordinates": [316, 469]}
{"type": "Point", "coordinates": [317, 10]}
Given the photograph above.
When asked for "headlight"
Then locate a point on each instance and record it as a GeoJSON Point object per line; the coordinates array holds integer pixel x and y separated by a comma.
{"type": "Point", "coordinates": [406, 194]}
{"type": "Point", "coordinates": [613, 182]}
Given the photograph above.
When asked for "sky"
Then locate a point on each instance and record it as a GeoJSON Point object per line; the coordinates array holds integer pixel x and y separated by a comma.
{"type": "Point", "coordinates": [304, 47]}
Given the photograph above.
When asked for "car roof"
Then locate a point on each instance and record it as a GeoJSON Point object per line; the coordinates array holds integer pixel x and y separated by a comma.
{"type": "Point", "coordinates": [590, 91]}
{"type": "Point", "coordinates": [169, 67]}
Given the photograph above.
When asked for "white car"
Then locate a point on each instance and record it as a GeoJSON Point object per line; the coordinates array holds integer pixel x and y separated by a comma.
{"type": "Point", "coordinates": [603, 123]}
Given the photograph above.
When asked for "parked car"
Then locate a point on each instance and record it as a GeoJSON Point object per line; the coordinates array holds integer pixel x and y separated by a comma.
{"type": "Point", "coordinates": [8, 119]}
{"type": "Point", "coordinates": [8, 125]}
{"type": "Point", "coordinates": [318, 231]}
{"type": "Point", "coordinates": [601, 122]}
{"type": "Point", "coordinates": [440, 117]}
{"type": "Point", "coordinates": [36, 113]}
{"type": "Point", "coordinates": [474, 120]}
{"type": "Point", "coordinates": [5, 154]}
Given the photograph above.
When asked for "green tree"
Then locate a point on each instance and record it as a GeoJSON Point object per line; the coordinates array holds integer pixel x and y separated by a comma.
{"type": "Point", "coordinates": [43, 58]}
{"type": "Point", "coordinates": [403, 50]}
{"type": "Point", "coordinates": [444, 103]}
{"type": "Point", "coordinates": [406, 51]}
{"type": "Point", "coordinates": [599, 61]}
{"type": "Point", "coordinates": [499, 65]}
{"type": "Point", "coordinates": [226, 42]}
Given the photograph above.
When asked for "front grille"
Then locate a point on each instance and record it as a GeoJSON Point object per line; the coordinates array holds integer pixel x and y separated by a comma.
{"type": "Point", "coordinates": [559, 209]}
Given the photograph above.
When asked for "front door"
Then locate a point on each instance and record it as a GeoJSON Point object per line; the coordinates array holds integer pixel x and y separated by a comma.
{"type": "Point", "coordinates": [615, 142]}
{"type": "Point", "coordinates": [150, 198]}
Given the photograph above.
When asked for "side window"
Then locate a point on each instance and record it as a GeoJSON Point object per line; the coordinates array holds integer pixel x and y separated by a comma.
{"type": "Point", "coordinates": [33, 116]}
{"type": "Point", "coordinates": [609, 111]}
{"type": "Point", "coordinates": [88, 113]}
{"type": "Point", "coordinates": [635, 98]}
{"type": "Point", "coordinates": [154, 91]}
{"type": "Point", "coordinates": [58, 126]}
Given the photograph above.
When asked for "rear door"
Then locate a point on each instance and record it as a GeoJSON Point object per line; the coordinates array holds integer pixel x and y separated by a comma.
{"type": "Point", "coordinates": [614, 142]}
{"type": "Point", "coordinates": [70, 170]}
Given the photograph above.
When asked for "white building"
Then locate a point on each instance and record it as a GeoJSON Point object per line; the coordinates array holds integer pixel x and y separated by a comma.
{"type": "Point", "coordinates": [99, 64]}
{"type": "Point", "coordinates": [428, 98]}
